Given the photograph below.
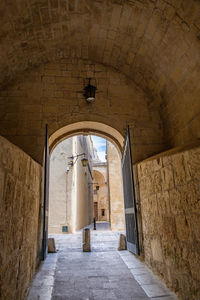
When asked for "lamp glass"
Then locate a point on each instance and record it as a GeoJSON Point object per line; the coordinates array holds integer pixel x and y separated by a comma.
{"type": "Point", "coordinates": [89, 92]}
{"type": "Point", "coordinates": [84, 162]}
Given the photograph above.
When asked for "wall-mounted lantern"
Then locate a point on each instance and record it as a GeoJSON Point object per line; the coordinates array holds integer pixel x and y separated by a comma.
{"type": "Point", "coordinates": [89, 92]}
{"type": "Point", "coordinates": [74, 158]}
{"type": "Point", "coordinates": [84, 162]}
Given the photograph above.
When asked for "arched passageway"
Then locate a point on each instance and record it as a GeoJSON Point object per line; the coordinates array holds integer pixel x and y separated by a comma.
{"type": "Point", "coordinates": [144, 56]}
{"type": "Point", "coordinates": [115, 188]}
{"type": "Point", "coordinates": [63, 178]}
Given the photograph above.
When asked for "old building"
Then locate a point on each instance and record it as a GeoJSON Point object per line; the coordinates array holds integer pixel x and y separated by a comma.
{"type": "Point", "coordinates": [144, 58]}
{"type": "Point", "coordinates": [101, 192]}
{"type": "Point", "coordinates": [70, 191]}
{"type": "Point", "coordinates": [77, 194]}
{"type": "Point", "coordinates": [108, 192]}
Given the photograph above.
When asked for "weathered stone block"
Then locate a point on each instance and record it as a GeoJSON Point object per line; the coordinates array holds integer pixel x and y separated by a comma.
{"type": "Point", "coordinates": [156, 250]}
{"type": "Point", "coordinates": [183, 228]}
{"type": "Point", "coordinates": [194, 223]}
{"type": "Point", "coordinates": [194, 163]}
{"type": "Point", "coordinates": [122, 242]}
{"type": "Point", "coordinates": [175, 201]}
{"type": "Point", "coordinates": [51, 245]}
{"type": "Point", "coordinates": [156, 182]}
{"type": "Point", "coordinates": [86, 240]}
{"type": "Point", "coordinates": [163, 203]}
{"type": "Point", "coordinates": [167, 178]}
{"type": "Point", "coordinates": [179, 169]}
{"type": "Point", "coordinates": [157, 164]}
{"type": "Point", "coordinates": [169, 228]}
{"type": "Point", "coordinates": [152, 204]}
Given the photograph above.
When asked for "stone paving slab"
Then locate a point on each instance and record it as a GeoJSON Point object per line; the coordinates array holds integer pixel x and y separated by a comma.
{"type": "Point", "coordinates": [152, 286]}
{"type": "Point", "coordinates": [42, 285]}
{"type": "Point", "coordinates": [103, 274]}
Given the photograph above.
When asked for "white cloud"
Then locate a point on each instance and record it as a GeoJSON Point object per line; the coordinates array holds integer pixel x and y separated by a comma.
{"type": "Point", "coordinates": [101, 156]}
{"type": "Point", "coordinates": [100, 144]}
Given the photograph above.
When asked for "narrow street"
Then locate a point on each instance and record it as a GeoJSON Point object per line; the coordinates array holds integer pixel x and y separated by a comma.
{"type": "Point", "coordinates": [102, 274]}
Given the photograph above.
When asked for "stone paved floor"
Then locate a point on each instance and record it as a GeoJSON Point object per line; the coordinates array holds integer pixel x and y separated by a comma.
{"type": "Point", "coordinates": [104, 273]}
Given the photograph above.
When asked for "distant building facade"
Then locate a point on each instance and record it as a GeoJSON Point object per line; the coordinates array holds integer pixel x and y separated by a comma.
{"type": "Point", "coordinates": [71, 194]}
{"type": "Point", "coordinates": [101, 192]}
{"type": "Point", "coordinates": [77, 193]}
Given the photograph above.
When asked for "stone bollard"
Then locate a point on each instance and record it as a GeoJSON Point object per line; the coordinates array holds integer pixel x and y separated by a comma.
{"type": "Point", "coordinates": [122, 242]}
{"type": "Point", "coordinates": [86, 240]}
{"type": "Point", "coordinates": [51, 245]}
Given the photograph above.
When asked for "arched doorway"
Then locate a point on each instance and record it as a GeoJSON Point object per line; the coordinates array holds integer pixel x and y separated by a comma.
{"type": "Point", "coordinates": [87, 127]}
{"type": "Point", "coordinates": [117, 139]}
{"type": "Point", "coordinates": [113, 210]}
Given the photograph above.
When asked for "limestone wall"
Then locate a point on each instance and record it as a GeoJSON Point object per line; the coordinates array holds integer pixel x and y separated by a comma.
{"type": "Point", "coordinates": [20, 181]}
{"type": "Point", "coordinates": [116, 190]}
{"type": "Point", "coordinates": [170, 205]}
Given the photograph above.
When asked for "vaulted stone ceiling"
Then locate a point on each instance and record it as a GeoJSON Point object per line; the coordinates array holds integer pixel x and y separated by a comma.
{"type": "Point", "coordinates": [154, 42]}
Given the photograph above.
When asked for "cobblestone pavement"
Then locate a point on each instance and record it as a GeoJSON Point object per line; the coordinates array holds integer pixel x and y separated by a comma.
{"type": "Point", "coordinates": [102, 274]}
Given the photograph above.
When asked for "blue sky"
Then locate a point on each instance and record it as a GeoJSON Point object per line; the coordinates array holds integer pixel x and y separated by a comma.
{"type": "Point", "coordinates": [100, 144]}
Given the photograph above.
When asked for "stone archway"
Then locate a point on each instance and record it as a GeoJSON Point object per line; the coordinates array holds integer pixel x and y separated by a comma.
{"type": "Point", "coordinates": [145, 57]}
{"type": "Point", "coordinates": [114, 146]}
{"type": "Point", "coordinates": [86, 128]}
